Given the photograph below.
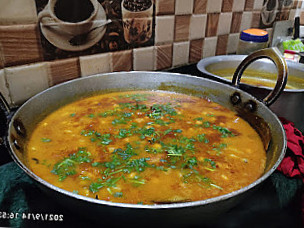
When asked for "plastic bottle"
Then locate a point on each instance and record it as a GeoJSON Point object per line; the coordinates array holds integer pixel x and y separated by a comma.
{"type": "Point", "coordinates": [252, 40]}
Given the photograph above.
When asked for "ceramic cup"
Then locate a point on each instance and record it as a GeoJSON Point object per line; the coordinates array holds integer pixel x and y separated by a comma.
{"type": "Point", "coordinates": [71, 16]}
{"type": "Point", "coordinates": [137, 18]}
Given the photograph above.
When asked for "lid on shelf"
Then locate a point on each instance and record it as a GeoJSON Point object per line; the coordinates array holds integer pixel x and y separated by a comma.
{"type": "Point", "coordinates": [254, 35]}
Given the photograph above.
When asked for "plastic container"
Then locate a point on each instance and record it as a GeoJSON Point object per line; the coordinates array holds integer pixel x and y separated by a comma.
{"type": "Point", "coordinates": [252, 40]}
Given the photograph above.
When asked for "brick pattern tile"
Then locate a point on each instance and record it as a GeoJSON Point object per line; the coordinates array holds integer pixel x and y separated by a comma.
{"type": "Point", "coordinates": [236, 22]}
{"type": "Point", "coordinates": [182, 27]}
{"type": "Point", "coordinates": [13, 12]}
{"type": "Point", "coordinates": [212, 24]}
{"type": "Point", "coordinates": [283, 15]}
{"type": "Point", "coordinates": [63, 70]}
{"type": "Point", "coordinates": [165, 7]}
{"type": "Point", "coordinates": [143, 58]}
{"type": "Point", "coordinates": [183, 7]}
{"type": "Point", "coordinates": [180, 53]}
{"type": "Point", "coordinates": [295, 4]}
{"type": "Point", "coordinates": [1, 59]}
{"type": "Point", "coordinates": [249, 5]}
{"type": "Point", "coordinates": [200, 6]}
{"type": "Point", "coordinates": [95, 64]}
{"type": "Point", "coordinates": [227, 5]}
{"type": "Point", "coordinates": [26, 81]}
{"type": "Point", "coordinates": [214, 6]}
{"type": "Point", "coordinates": [20, 44]}
{"type": "Point", "coordinates": [196, 50]}
{"type": "Point", "coordinates": [255, 23]}
{"type": "Point", "coordinates": [185, 31]}
{"type": "Point", "coordinates": [122, 61]}
{"type": "Point", "coordinates": [222, 43]}
{"type": "Point", "coordinates": [163, 56]}
{"type": "Point", "coordinates": [164, 29]}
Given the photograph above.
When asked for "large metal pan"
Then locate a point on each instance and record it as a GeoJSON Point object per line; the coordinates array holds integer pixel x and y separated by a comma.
{"type": "Point", "coordinates": [178, 214]}
{"type": "Point", "coordinates": [290, 103]}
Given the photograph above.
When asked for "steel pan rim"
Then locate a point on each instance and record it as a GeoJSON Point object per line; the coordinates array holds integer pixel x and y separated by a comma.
{"type": "Point", "coordinates": [139, 206]}
{"type": "Point", "coordinates": [202, 67]}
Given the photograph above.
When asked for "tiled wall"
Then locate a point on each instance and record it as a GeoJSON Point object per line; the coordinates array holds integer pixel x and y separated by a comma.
{"type": "Point", "coordinates": [185, 31]}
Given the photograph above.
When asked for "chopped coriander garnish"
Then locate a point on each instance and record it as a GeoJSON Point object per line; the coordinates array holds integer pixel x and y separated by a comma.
{"type": "Point", "coordinates": [175, 150]}
{"type": "Point", "coordinates": [101, 139]}
{"type": "Point", "coordinates": [206, 124]}
{"type": "Point", "coordinates": [189, 162]}
{"type": "Point", "coordinates": [202, 138]}
{"type": "Point", "coordinates": [136, 97]}
{"type": "Point", "coordinates": [45, 140]}
{"type": "Point", "coordinates": [219, 147]}
{"type": "Point", "coordinates": [137, 181]}
{"type": "Point", "coordinates": [94, 187]}
{"type": "Point", "coordinates": [158, 111]}
{"type": "Point", "coordinates": [91, 115]}
{"type": "Point", "coordinates": [67, 166]}
{"type": "Point", "coordinates": [156, 143]}
{"type": "Point", "coordinates": [209, 164]}
{"type": "Point", "coordinates": [210, 115]}
{"type": "Point", "coordinates": [127, 153]}
{"type": "Point", "coordinates": [118, 194]}
{"type": "Point", "coordinates": [224, 131]}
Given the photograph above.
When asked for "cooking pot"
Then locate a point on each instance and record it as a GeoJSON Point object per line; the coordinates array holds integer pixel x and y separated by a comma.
{"type": "Point", "coordinates": [185, 214]}
{"type": "Point", "coordinates": [290, 103]}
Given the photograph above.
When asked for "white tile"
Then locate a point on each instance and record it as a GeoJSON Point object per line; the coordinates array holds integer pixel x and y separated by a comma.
{"type": "Point", "coordinates": [224, 23]}
{"type": "Point", "coordinates": [258, 4]}
{"type": "Point", "coordinates": [183, 7]}
{"type": "Point", "coordinates": [214, 6]}
{"type": "Point", "coordinates": [3, 87]}
{"type": "Point", "coordinates": [209, 48]}
{"type": "Point", "coordinates": [238, 5]}
{"type": "Point", "coordinates": [299, 11]}
{"type": "Point", "coordinates": [94, 64]}
{"type": "Point", "coordinates": [17, 12]}
{"type": "Point", "coordinates": [164, 29]}
{"type": "Point", "coordinates": [292, 14]}
{"type": "Point", "coordinates": [197, 26]}
{"type": "Point", "coordinates": [180, 53]}
{"type": "Point", "coordinates": [233, 41]}
{"type": "Point", "coordinates": [246, 21]}
{"type": "Point", "coordinates": [143, 58]}
{"type": "Point", "coordinates": [26, 81]}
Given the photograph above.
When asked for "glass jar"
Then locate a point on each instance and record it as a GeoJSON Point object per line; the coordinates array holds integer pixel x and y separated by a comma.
{"type": "Point", "coordinates": [252, 40]}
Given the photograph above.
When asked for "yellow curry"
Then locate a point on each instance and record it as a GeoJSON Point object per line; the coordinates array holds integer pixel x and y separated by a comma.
{"type": "Point", "coordinates": [260, 78]}
{"type": "Point", "coordinates": [146, 147]}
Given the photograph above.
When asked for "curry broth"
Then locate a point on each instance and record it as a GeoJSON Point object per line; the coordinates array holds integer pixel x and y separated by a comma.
{"type": "Point", "coordinates": [146, 147]}
{"type": "Point", "coordinates": [260, 78]}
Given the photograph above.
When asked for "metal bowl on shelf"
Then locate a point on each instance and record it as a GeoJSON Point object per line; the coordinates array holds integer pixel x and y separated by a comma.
{"type": "Point", "coordinates": [289, 105]}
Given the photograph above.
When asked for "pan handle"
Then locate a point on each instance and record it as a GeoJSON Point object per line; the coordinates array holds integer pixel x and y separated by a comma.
{"type": "Point", "coordinates": [275, 56]}
{"type": "Point", "coordinates": [5, 114]}
{"type": "Point", "coordinates": [4, 106]}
